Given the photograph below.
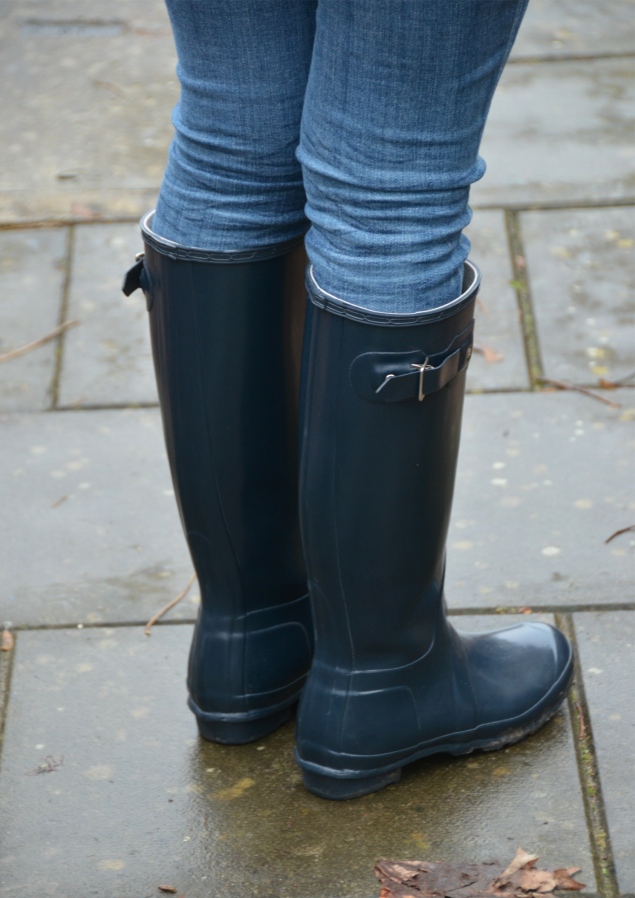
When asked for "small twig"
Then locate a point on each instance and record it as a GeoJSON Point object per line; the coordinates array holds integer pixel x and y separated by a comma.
{"type": "Point", "coordinates": [481, 305]}
{"type": "Point", "coordinates": [618, 532]}
{"type": "Point", "coordinates": [15, 353]}
{"type": "Point", "coordinates": [59, 501]}
{"type": "Point", "coordinates": [565, 385]}
{"type": "Point", "coordinates": [581, 719]}
{"type": "Point", "coordinates": [170, 605]}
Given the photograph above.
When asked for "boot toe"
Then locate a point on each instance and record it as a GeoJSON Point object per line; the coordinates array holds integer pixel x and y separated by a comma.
{"type": "Point", "coordinates": [519, 674]}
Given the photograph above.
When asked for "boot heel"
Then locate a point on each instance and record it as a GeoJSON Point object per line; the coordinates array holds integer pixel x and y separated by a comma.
{"type": "Point", "coordinates": [341, 789]}
{"type": "Point", "coordinates": [240, 732]}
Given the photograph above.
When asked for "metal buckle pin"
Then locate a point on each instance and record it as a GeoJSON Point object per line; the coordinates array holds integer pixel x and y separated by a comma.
{"type": "Point", "coordinates": [426, 366]}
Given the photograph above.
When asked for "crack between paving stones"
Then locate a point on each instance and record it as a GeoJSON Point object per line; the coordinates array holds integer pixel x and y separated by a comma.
{"type": "Point", "coordinates": [453, 612]}
{"type": "Point", "coordinates": [520, 283]}
{"type": "Point", "coordinates": [493, 391]}
{"type": "Point", "coordinates": [105, 407]}
{"type": "Point", "coordinates": [557, 205]}
{"type": "Point", "coordinates": [127, 406]}
{"type": "Point", "coordinates": [54, 389]}
{"type": "Point", "coordinates": [6, 674]}
{"type": "Point", "coordinates": [533, 206]}
{"type": "Point", "coordinates": [569, 57]}
{"type": "Point", "coordinates": [588, 770]}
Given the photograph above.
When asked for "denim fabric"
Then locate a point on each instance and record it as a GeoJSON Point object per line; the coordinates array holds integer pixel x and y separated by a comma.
{"type": "Point", "coordinates": [362, 116]}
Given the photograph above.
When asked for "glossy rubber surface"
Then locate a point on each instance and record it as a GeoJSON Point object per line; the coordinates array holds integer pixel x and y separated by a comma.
{"type": "Point", "coordinates": [222, 356]}
{"type": "Point", "coordinates": [392, 681]}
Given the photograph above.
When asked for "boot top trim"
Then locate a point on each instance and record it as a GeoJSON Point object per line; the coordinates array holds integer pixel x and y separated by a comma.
{"type": "Point", "coordinates": [337, 306]}
{"type": "Point", "coordinates": [195, 254]}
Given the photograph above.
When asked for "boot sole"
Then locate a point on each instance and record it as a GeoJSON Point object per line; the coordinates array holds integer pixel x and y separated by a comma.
{"type": "Point", "coordinates": [240, 729]}
{"type": "Point", "coordinates": [334, 786]}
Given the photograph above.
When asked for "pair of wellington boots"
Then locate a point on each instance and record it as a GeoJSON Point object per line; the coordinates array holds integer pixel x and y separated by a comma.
{"type": "Point", "coordinates": [383, 679]}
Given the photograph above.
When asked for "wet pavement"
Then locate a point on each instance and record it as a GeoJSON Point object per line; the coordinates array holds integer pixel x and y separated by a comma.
{"type": "Point", "coordinates": [105, 788]}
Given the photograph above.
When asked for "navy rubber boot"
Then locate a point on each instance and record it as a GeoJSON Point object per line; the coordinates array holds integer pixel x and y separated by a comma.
{"type": "Point", "coordinates": [221, 330]}
{"type": "Point", "coordinates": [391, 680]}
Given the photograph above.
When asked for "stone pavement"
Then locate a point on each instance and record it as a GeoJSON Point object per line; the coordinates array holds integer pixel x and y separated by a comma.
{"type": "Point", "coordinates": [90, 537]}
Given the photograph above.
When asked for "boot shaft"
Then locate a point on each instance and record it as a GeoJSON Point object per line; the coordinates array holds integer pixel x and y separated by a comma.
{"type": "Point", "coordinates": [377, 473]}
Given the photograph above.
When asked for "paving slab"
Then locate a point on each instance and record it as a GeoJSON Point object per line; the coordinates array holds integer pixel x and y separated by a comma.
{"type": "Point", "coordinates": [32, 268]}
{"type": "Point", "coordinates": [139, 800]}
{"type": "Point", "coordinates": [500, 362]}
{"type": "Point", "coordinates": [100, 84]}
{"type": "Point", "coordinates": [89, 526]}
{"type": "Point", "coordinates": [107, 361]}
{"type": "Point", "coordinates": [560, 132]}
{"type": "Point", "coordinates": [582, 278]}
{"type": "Point", "coordinates": [605, 644]}
{"type": "Point", "coordinates": [543, 480]}
{"type": "Point", "coordinates": [576, 27]}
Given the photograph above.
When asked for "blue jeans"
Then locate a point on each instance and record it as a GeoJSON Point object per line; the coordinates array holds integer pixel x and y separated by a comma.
{"type": "Point", "coordinates": [359, 119]}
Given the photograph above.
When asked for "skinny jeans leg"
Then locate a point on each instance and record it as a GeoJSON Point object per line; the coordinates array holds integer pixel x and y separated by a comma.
{"type": "Point", "coordinates": [232, 181]}
{"type": "Point", "coordinates": [391, 99]}
{"type": "Point", "coordinates": [394, 112]}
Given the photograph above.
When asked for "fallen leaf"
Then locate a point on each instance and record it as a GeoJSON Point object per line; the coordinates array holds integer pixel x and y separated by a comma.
{"type": "Point", "coordinates": [489, 354]}
{"type": "Point", "coordinates": [426, 879]}
{"type": "Point", "coordinates": [170, 889]}
{"type": "Point", "coordinates": [521, 859]}
{"type": "Point", "coordinates": [565, 879]}
{"type": "Point", "coordinates": [7, 641]}
{"type": "Point", "coordinates": [534, 880]}
{"type": "Point", "coordinates": [85, 212]}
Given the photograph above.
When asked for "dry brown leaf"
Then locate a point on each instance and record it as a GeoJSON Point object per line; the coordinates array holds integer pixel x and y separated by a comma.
{"type": "Point", "coordinates": [565, 879]}
{"type": "Point", "coordinates": [7, 641]}
{"type": "Point", "coordinates": [534, 880]}
{"type": "Point", "coordinates": [489, 354]}
{"type": "Point", "coordinates": [83, 211]}
{"type": "Point", "coordinates": [521, 859]}
{"type": "Point", "coordinates": [425, 879]}
{"type": "Point", "coordinates": [170, 889]}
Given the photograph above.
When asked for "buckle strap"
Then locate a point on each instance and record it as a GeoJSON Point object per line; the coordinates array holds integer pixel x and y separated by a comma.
{"type": "Point", "coordinates": [396, 377]}
{"type": "Point", "coordinates": [139, 277]}
{"type": "Point", "coordinates": [132, 278]}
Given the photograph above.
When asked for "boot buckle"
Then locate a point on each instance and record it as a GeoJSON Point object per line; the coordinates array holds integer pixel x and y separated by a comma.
{"type": "Point", "coordinates": [422, 368]}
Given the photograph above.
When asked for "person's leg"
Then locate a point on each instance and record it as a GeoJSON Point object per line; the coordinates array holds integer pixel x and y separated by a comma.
{"type": "Point", "coordinates": [395, 109]}
{"type": "Point", "coordinates": [224, 288]}
{"type": "Point", "coordinates": [232, 181]}
{"type": "Point", "coordinates": [388, 161]}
